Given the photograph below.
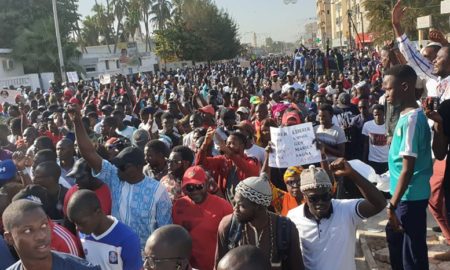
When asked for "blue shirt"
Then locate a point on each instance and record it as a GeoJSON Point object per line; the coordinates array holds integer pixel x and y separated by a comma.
{"type": "Point", "coordinates": [6, 258]}
{"type": "Point", "coordinates": [62, 261]}
{"type": "Point", "coordinates": [116, 249]}
{"type": "Point", "coordinates": [412, 137]}
{"type": "Point", "coordinates": [144, 206]}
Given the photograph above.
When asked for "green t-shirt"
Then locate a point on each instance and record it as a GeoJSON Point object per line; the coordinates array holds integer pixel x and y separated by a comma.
{"type": "Point", "coordinates": [412, 137]}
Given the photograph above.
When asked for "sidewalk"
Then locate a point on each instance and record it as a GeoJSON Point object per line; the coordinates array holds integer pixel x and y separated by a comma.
{"type": "Point", "coordinates": [372, 244]}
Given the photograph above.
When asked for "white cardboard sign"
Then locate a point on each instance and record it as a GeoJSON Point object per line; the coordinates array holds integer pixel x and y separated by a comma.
{"type": "Point", "coordinates": [105, 79]}
{"type": "Point", "coordinates": [293, 146]}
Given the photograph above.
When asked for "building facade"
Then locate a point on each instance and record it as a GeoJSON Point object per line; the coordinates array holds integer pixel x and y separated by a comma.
{"type": "Point", "coordinates": [323, 12]}
{"type": "Point", "coordinates": [344, 22]}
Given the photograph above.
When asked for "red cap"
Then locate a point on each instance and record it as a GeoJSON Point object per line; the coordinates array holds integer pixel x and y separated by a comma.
{"type": "Point", "coordinates": [322, 91]}
{"type": "Point", "coordinates": [194, 175]}
{"type": "Point", "coordinates": [68, 93]}
{"type": "Point", "coordinates": [291, 118]}
{"type": "Point", "coordinates": [273, 73]}
{"type": "Point", "coordinates": [122, 91]}
{"type": "Point", "coordinates": [74, 100]}
{"type": "Point", "coordinates": [208, 109]}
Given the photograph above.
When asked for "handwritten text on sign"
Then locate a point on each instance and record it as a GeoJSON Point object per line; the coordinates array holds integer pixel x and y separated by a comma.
{"type": "Point", "coordinates": [293, 146]}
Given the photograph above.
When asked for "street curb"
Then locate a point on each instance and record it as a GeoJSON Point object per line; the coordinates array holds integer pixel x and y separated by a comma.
{"type": "Point", "coordinates": [366, 251]}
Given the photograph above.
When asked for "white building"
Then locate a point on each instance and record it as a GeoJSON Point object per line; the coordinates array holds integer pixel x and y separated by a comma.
{"type": "Point", "coordinates": [12, 74]}
{"type": "Point", "coordinates": [130, 58]}
{"type": "Point", "coordinates": [9, 67]}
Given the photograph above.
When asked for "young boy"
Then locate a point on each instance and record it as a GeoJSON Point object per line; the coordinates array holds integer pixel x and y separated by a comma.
{"type": "Point", "coordinates": [106, 241]}
{"type": "Point", "coordinates": [410, 167]}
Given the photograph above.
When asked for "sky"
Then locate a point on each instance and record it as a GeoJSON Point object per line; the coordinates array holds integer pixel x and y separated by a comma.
{"type": "Point", "coordinates": [266, 18]}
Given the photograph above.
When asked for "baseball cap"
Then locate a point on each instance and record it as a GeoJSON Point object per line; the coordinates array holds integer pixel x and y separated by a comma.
{"type": "Point", "coordinates": [255, 100]}
{"type": "Point", "coordinates": [313, 178]}
{"type": "Point", "coordinates": [291, 118]}
{"type": "Point", "coordinates": [273, 73]}
{"type": "Point", "coordinates": [209, 109]}
{"type": "Point", "coordinates": [290, 73]}
{"type": "Point", "coordinates": [129, 155]}
{"type": "Point", "coordinates": [194, 175]}
{"type": "Point", "coordinates": [107, 108]}
{"type": "Point", "coordinates": [79, 168]}
{"type": "Point", "coordinates": [75, 100]}
{"type": "Point", "coordinates": [7, 170]}
{"type": "Point", "coordinates": [243, 110]}
{"type": "Point", "coordinates": [36, 194]}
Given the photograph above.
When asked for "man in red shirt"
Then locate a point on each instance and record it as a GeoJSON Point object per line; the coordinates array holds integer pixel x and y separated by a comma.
{"type": "Point", "coordinates": [200, 214]}
{"type": "Point", "coordinates": [231, 167]}
{"type": "Point", "coordinates": [84, 180]}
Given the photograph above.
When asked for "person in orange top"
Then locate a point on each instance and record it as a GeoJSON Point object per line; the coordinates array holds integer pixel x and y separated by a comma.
{"type": "Point", "coordinates": [284, 201]}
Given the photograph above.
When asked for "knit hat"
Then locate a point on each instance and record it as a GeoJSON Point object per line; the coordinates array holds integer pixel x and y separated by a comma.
{"type": "Point", "coordinates": [313, 178]}
{"type": "Point", "coordinates": [256, 189]}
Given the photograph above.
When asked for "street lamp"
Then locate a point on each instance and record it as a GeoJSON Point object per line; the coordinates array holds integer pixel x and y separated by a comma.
{"type": "Point", "coordinates": [58, 42]}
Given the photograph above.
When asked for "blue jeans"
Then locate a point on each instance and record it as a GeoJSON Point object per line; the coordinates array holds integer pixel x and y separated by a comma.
{"type": "Point", "coordinates": [408, 250]}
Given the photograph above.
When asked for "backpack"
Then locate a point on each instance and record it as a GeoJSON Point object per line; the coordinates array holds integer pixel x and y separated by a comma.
{"type": "Point", "coordinates": [283, 236]}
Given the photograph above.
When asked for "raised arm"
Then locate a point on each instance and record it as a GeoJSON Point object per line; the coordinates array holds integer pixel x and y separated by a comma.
{"type": "Point", "coordinates": [373, 201]}
{"type": "Point", "coordinates": [85, 145]}
{"type": "Point", "coordinates": [415, 59]}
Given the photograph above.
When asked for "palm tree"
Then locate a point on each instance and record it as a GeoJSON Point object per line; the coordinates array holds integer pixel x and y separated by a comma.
{"type": "Point", "coordinates": [161, 13]}
{"type": "Point", "coordinates": [145, 7]}
{"type": "Point", "coordinates": [120, 11]}
{"type": "Point", "coordinates": [132, 22]}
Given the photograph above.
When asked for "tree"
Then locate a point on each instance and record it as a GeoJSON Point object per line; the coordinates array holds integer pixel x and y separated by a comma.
{"type": "Point", "coordinates": [27, 27]}
{"type": "Point", "coordinates": [379, 15]}
{"type": "Point", "coordinates": [99, 24]}
{"type": "Point", "coordinates": [161, 13]}
{"type": "Point", "coordinates": [198, 31]}
{"type": "Point", "coordinates": [145, 7]}
{"type": "Point", "coordinates": [120, 12]}
{"type": "Point", "coordinates": [36, 48]}
{"type": "Point", "coordinates": [133, 20]}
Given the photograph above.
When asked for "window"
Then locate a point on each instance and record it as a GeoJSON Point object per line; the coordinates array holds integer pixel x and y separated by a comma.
{"type": "Point", "coordinates": [117, 64]}
{"type": "Point", "coordinates": [107, 64]}
{"type": "Point", "coordinates": [91, 69]}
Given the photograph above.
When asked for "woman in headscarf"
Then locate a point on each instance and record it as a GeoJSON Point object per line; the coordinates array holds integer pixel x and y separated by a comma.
{"type": "Point", "coordinates": [283, 201]}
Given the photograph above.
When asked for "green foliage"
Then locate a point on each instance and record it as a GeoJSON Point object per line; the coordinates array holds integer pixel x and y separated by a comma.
{"type": "Point", "coordinates": [198, 31]}
{"type": "Point", "coordinates": [99, 24]}
{"type": "Point", "coordinates": [379, 15]}
{"type": "Point", "coordinates": [27, 27]}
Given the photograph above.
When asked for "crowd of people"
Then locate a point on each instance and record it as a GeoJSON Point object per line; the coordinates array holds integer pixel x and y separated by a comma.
{"type": "Point", "coordinates": [170, 170]}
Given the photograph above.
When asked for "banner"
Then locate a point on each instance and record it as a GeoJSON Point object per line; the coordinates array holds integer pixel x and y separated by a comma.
{"type": "Point", "coordinates": [72, 77]}
{"type": "Point", "coordinates": [293, 146]}
{"type": "Point", "coordinates": [9, 96]}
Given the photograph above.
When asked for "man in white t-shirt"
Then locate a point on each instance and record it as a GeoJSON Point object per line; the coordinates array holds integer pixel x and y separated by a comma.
{"type": "Point", "coordinates": [327, 227]}
{"type": "Point", "coordinates": [122, 129]}
{"type": "Point", "coordinates": [376, 149]}
{"type": "Point", "coordinates": [290, 76]}
{"type": "Point", "coordinates": [331, 136]}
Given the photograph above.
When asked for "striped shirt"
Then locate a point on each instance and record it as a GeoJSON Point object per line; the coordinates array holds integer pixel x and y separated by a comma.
{"type": "Point", "coordinates": [64, 241]}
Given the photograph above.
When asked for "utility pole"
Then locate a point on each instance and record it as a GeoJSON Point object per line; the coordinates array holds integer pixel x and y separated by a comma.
{"type": "Point", "coordinates": [349, 13]}
{"type": "Point", "coordinates": [58, 42]}
{"type": "Point", "coordinates": [363, 43]}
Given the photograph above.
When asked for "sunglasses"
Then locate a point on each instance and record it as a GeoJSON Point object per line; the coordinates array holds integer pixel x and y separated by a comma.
{"type": "Point", "coordinates": [325, 197]}
{"type": "Point", "coordinates": [293, 183]}
{"type": "Point", "coordinates": [192, 188]}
